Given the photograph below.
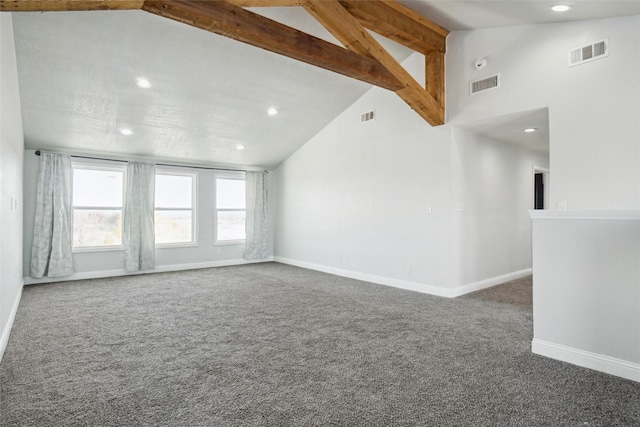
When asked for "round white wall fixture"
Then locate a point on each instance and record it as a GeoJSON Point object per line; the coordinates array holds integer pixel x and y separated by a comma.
{"type": "Point", "coordinates": [480, 63]}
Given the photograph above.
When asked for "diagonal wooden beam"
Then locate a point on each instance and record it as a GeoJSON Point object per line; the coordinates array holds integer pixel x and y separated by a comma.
{"type": "Point", "coordinates": [335, 18]}
{"type": "Point", "coordinates": [393, 20]}
{"type": "Point", "coordinates": [228, 20]}
{"type": "Point", "coordinates": [388, 18]}
{"type": "Point", "coordinates": [364, 59]}
{"type": "Point", "coordinates": [62, 5]}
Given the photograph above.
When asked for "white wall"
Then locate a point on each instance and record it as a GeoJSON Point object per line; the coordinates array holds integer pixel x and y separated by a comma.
{"type": "Point", "coordinates": [594, 109]}
{"type": "Point", "coordinates": [354, 200]}
{"type": "Point", "coordinates": [355, 197]}
{"type": "Point", "coordinates": [109, 263]}
{"type": "Point", "coordinates": [11, 152]}
{"type": "Point", "coordinates": [586, 280]}
{"type": "Point", "coordinates": [491, 235]}
{"type": "Point", "coordinates": [586, 300]}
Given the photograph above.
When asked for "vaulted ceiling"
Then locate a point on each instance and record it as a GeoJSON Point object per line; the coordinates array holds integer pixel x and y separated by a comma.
{"type": "Point", "coordinates": [209, 94]}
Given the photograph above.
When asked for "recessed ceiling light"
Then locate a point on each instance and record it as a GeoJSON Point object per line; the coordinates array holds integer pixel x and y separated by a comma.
{"type": "Point", "coordinates": [560, 8]}
{"type": "Point", "coordinates": [529, 130]}
{"type": "Point", "coordinates": [240, 147]}
{"type": "Point", "coordinates": [126, 131]}
{"type": "Point", "coordinates": [272, 111]}
{"type": "Point", "coordinates": [143, 83]}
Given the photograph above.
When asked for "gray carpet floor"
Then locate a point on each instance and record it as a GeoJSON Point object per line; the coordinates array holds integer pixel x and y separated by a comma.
{"type": "Point", "coordinates": [270, 344]}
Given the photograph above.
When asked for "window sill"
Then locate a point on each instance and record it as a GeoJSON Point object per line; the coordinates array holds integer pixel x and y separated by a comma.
{"type": "Point", "coordinates": [89, 249]}
{"type": "Point", "coordinates": [176, 245]}
{"type": "Point", "coordinates": [229, 242]}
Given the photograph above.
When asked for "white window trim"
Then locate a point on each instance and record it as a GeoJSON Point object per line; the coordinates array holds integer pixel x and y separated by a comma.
{"type": "Point", "coordinates": [225, 175]}
{"type": "Point", "coordinates": [194, 208]}
{"type": "Point", "coordinates": [100, 166]}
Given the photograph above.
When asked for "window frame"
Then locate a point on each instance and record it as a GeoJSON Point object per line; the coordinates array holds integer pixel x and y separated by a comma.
{"type": "Point", "coordinates": [240, 176]}
{"type": "Point", "coordinates": [194, 207]}
{"type": "Point", "coordinates": [98, 166]}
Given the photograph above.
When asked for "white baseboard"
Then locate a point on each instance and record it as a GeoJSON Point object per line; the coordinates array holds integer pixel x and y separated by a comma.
{"type": "Point", "coordinates": [158, 269]}
{"type": "Point", "coordinates": [4, 338]}
{"type": "Point", "coordinates": [404, 284]}
{"type": "Point", "coordinates": [587, 359]}
{"type": "Point", "coordinates": [380, 280]}
{"type": "Point", "coordinates": [487, 283]}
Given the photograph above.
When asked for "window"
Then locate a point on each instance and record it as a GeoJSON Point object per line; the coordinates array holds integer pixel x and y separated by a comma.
{"type": "Point", "coordinates": [230, 209]}
{"type": "Point", "coordinates": [174, 213]}
{"type": "Point", "coordinates": [97, 199]}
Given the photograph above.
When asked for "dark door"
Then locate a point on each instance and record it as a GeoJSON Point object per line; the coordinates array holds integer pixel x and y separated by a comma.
{"type": "Point", "coordinates": [538, 193]}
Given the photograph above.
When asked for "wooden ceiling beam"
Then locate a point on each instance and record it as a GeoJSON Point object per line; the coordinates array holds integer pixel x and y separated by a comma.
{"type": "Point", "coordinates": [364, 59]}
{"type": "Point", "coordinates": [346, 28]}
{"type": "Point", "coordinates": [266, 3]}
{"type": "Point", "coordinates": [226, 19]}
{"type": "Point", "coordinates": [64, 5]}
{"type": "Point", "coordinates": [388, 18]}
{"type": "Point", "coordinates": [393, 20]}
{"type": "Point", "coordinates": [434, 75]}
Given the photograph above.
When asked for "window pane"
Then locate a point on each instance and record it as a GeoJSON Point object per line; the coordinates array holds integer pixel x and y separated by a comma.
{"type": "Point", "coordinates": [173, 191]}
{"type": "Point", "coordinates": [231, 225]}
{"type": "Point", "coordinates": [99, 188]}
{"type": "Point", "coordinates": [97, 227]}
{"type": "Point", "coordinates": [173, 227]}
{"type": "Point", "coordinates": [230, 193]}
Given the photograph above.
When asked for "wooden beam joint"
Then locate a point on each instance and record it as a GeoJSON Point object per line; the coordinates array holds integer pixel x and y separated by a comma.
{"type": "Point", "coordinates": [347, 29]}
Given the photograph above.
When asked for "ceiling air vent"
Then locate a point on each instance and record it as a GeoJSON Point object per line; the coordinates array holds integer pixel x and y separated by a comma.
{"type": "Point", "coordinates": [589, 53]}
{"type": "Point", "coordinates": [485, 84]}
{"type": "Point", "coordinates": [368, 116]}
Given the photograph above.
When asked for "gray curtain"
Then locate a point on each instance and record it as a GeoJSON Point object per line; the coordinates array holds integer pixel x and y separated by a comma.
{"type": "Point", "coordinates": [51, 251]}
{"type": "Point", "coordinates": [257, 222]}
{"type": "Point", "coordinates": [139, 234]}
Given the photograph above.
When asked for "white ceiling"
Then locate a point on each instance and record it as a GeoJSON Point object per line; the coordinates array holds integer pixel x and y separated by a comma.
{"type": "Point", "coordinates": [77, 74]}
{"type": "Point", "coordinates": [510, 129]}
{"type": "Point", "coordinates": [456, 15]}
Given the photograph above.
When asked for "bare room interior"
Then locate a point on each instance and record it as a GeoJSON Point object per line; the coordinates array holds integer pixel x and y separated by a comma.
{"type": "Point", "coordinates": [319, 212]}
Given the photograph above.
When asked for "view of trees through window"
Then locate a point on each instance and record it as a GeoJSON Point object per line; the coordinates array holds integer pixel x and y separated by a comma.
{"type": "Point", "coordinates": [97, 207]}
{"type": "Point", "coordinates": [98, 200]}
{"type": "Point", "coordinates": [174, 208]}
{"type": "Point", "coordinates": [230, 206]}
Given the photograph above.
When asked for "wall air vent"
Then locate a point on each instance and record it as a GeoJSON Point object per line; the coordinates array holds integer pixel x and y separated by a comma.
{"type": "Point", "coordinates": [485, 84]}
{"type": "Point", "coordinates": [368, 116]}
{"type": "Point", "coordinates": [581, 55]}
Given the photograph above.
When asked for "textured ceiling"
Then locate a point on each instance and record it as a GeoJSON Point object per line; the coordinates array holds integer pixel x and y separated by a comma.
{"type": "Point", "coordinates": [77, 73]}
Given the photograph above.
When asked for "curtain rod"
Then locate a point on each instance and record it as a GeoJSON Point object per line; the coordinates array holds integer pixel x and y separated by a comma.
{"type": "Point", "coordinates": [37, 153]}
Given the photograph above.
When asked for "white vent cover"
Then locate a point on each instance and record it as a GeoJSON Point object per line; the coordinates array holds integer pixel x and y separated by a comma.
{"type": "Point", "coordinates": [581, 55]}
{"type": "Point", "coordinates": [368, 116]}
{"type": "Point", "coordinates": [485, 84]}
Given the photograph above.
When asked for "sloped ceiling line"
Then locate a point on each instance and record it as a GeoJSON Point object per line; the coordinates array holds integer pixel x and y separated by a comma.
{"type": "Point", "coordinates": [363, 59]}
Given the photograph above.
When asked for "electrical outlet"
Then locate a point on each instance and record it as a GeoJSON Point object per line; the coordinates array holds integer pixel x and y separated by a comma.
{"type": "Point", "coordinates": [218, 251]}
{"type": "Point", "coordinates": [122, 257]}
{"type": "Point", "coordinates": [562, 206]}
{"type": "Point", "coordinates": [339, 257]}
{"type": "Point", "coordinates": [409, 269]}
{"type": "Point", "coordinates": [429, 210]}
{"type": "Point", "coordinates": [460, 206]}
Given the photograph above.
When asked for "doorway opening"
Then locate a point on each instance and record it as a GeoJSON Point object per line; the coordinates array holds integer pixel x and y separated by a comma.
{"type": "Point", "coordinates": [540, 188]}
